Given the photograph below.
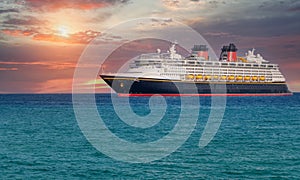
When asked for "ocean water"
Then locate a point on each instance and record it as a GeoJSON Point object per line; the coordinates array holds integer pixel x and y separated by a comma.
{"type": "Point", "coordinates": [40, 139]}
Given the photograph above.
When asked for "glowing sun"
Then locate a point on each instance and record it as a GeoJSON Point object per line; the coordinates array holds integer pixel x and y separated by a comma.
{"type": "Point", "coordinates": [63, 31]}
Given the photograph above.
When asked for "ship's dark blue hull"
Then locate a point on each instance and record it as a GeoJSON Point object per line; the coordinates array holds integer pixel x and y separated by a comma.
{"type": "Point", "coordinates": [127, 85]}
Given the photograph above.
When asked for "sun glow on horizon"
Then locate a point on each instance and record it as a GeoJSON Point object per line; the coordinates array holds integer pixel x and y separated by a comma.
{"type": "Point", "coordinates": [63, 31]}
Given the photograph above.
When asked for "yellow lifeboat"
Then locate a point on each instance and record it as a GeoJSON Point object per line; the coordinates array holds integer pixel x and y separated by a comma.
{"type": "Point", "coordinates": [247, 78]}
{"type": "Point", "coordinates": [216, 77]}
{"type": "Point", "coordinates": [207, 77]}
{"type": "Point", "coordinates": [254, 78]}
{"type": "Point", "coordinates": [199, 76]}
{"type": "Point", "coordinates": [231, 78]}
{"type": "Point", "coordinates": [243, 59]}
{"type": "Point", "coordinates": [190, 76]}
{"type": "Point", "coordinates": [224, 77]}
{"type": "Point", "coordinates": [239, 78]}
{"type": "Point", "coordinates": [262, 78]}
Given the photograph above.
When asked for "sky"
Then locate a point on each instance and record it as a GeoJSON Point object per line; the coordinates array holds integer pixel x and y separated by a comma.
{"type": "Point", "coordinates": [41, 41]}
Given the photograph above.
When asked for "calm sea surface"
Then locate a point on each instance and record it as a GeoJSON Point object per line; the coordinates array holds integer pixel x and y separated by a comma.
{"type": "Point", "coordinates": [259, 138]}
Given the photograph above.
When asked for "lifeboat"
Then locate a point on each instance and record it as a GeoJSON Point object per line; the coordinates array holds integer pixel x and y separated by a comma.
{"type": "Point", "coordinates": [190, 76]}
{"type": "Point", "coordinates": [239, 78]}
{"type": "Point", "coordinates": [231, 78]}
{"type": "Point", "coordinates": [247, 78]}
{"type": "Point", "coordinates": [224, 77]}
{"type": "Point", "coordinates": [207, 77]}
{"type": "Point", "coordinates": [199, 76]}
{"type": "Point", "coordinates": [254, 78]}
{"type": "Point", "coordinates": [262, 78]}
{"type": "Point", "coordinates": [216, 77]}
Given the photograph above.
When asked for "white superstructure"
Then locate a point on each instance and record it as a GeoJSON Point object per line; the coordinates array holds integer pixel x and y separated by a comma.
{"type": "Point", "coordinates": [170, 65]}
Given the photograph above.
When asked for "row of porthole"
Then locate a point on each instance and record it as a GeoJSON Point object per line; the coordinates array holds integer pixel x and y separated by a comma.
{"type": "Point", "coordinates": [231, 78]}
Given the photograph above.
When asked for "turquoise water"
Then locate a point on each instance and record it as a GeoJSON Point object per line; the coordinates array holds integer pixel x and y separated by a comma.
{"type": "Point", "coordinates": [259, 138]}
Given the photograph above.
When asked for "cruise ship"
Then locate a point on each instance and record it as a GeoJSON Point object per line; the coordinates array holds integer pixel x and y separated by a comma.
{"type": "Point", "coordinates": [171, 74]}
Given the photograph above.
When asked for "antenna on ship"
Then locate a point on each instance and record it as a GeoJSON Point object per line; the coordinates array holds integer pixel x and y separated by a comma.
{"type": "Point", "coordinates": [173, 53]}
{"type": "Point", "coordinates": [172, 50]}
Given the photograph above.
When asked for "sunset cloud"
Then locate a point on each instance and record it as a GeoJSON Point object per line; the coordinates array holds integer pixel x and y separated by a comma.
{"type": "Point", "coordinates": [26, 20]}
{"type": "Point", "coordinates": [53, 5]}
{"type": "Point", "coordinates": [15, 32]}
{"type": "Point", "coordinates": [49, 65]}
{"type": "Point", "coordinates": [171, 3]}
{"type": "Point", "coordinates": [218, 34]}
{"type": "Point", "coordinates": [75, 38]}
{"type": "Point", "coordinates": [190, 5]}
{"type": "Point", "coordinates": [4, 11]}
{"type": "Point", "coordinates": [8, 69]}
{"type": "Point", "coordinates": [55, 86]}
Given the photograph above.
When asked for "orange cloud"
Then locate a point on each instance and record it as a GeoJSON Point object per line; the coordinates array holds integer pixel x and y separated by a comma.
{"type": "Point", "coordinates": [76, 38]}
{"type": "Point", "coordinates": [16, 32]}
{"type": "Point", "coordinates": [55, 86]}
{"type": "Point", "coordinates": [50, 65]}
{"type": "Point", "coordinates": [8, 69]}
